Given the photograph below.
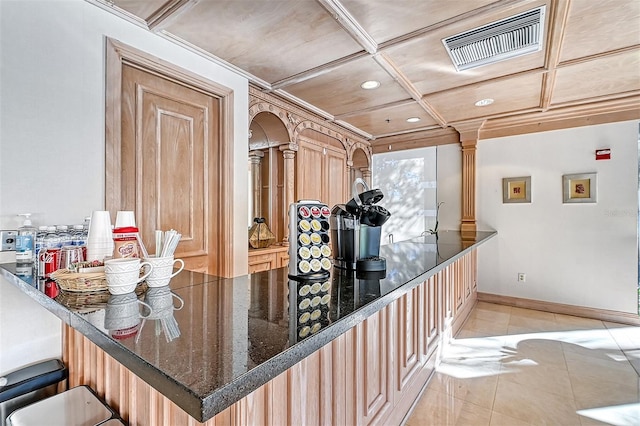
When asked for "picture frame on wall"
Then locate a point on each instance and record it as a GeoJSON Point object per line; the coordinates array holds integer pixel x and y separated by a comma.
{"type": "Point", "coordinates": [516, 189]}
{"type": "Point", "coordinates": [580, 188]}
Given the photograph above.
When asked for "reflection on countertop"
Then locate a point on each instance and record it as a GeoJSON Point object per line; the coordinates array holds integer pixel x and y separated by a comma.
{"type": "Point", "coordinates": [209, 332]}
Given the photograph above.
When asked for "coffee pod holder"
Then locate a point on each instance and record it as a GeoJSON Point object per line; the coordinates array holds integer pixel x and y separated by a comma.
{"type": "Point", "coordinates": [309, 241]}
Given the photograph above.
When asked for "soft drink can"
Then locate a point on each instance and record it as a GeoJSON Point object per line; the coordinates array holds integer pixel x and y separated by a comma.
{"type": "Point", "coordinates": [51, 289]}
{"type": "Point", "coordinates": [48, 262]}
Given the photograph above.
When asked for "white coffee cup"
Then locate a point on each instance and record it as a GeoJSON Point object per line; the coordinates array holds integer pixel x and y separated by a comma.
{"type": "Point", "coordinates": [123, 274]}
{"type": "Point", "coordinates": [161, 301]}
{"type": "Point", "coordinates": [122, 315]}
{"type": "Point", "coordinates": [162, 270]}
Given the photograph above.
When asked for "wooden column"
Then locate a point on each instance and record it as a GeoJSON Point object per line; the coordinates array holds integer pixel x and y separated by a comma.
{"type": "Point", "coordinates": [289, 154]}
{"type": "Point", "coordinates": [255, 158]}
{"type": "Point", "coordinates": [469, 136]}
{"type": "Point", "coordinates": [366, 175]}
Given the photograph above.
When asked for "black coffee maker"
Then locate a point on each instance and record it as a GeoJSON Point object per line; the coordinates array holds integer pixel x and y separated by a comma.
{"type": "Point", "coordinates": [356, 228]}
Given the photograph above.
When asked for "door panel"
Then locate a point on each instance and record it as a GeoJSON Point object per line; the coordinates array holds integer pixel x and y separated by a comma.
{"type": "Point", "coordinates": [170, 141]}
{"type": "Point", "coordinates": [309, 176]}
{"type": "Point", "coordinates": [336, 181]}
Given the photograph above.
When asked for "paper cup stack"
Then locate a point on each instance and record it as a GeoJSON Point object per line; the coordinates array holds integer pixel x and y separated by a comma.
{"type": "Point", "coordinates": [100, 237]}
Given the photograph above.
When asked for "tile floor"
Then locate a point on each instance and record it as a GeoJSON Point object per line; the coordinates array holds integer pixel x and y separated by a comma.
{"type": "Point", "coordinates": [511, 366]}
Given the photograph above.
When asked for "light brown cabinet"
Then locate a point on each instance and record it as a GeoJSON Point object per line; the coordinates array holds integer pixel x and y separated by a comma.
{"type": "Point", "coordinates": [321, 173]}
{"type": "Point", "coordinates": [268, 258]}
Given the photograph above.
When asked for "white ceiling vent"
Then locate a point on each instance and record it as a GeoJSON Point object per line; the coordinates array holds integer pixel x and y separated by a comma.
{"type": "Point", "coordinates": [500, 40]}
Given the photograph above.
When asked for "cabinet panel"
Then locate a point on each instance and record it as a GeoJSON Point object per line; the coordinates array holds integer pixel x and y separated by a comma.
{"type": "Point", "coordinates": [335, 188]}
{"type": "Point", "coordinates": [309, 176]}
{"type": "Point", "coordinates": [409, 325]}
{"type": "Point", "coordinates": [282, 259]}
{"type": "Point", "coordinates": [263, 262]}
{"type": "Point", "coordinates": [373, 366]}
{"type": "Point", "coordinates": [431, 297]}
{"type": "Point", "coordinates": [321, 174]}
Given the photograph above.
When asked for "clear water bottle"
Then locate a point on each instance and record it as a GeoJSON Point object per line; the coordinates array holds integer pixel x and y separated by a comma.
{"type": "Point", "coordinates": [78, 237]}
{"type": "Point", "coordinates": [51, 239]}
{"type": "Point", "coordinates": [64, 235]}
{"type": "Point", "coordinates": [42, 231]}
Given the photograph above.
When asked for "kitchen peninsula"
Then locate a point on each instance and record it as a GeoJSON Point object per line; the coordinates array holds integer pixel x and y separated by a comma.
{"type": "Point", "coordinates": [241, 357]}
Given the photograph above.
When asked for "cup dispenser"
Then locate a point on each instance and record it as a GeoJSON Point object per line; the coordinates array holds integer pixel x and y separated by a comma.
{"type": "Point", "coordinates": [356, 228]}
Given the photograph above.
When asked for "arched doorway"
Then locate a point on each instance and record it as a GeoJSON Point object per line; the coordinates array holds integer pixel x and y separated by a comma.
{"type": "Point", "coordinates": [267, 134]}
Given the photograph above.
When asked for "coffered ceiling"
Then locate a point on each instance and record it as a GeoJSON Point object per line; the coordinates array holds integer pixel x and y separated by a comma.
{"type": "Point", "coordinates": [317, 53]}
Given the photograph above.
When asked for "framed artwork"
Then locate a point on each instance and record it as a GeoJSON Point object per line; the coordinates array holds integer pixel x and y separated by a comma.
{"type": "Point", "coordinates": [516, 190]}
{"type": "Point", "coordinates": [579, 188]}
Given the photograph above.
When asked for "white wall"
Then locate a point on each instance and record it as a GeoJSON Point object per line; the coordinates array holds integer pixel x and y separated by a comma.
{"type": "Point", "coordinates": [450, 186]}
{"type": "Point", "coordinates": [576, 254]}
{"type": "Point", "coordinates": [52, 109]}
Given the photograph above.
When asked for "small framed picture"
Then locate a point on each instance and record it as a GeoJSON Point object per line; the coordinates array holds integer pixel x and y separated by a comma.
{"type": "Point", "coordinates": [579, 188]}
{"type": "Point", "coordinates": [516, 190]}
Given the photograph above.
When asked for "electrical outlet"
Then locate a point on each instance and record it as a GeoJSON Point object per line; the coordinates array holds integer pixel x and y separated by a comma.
{"type": "Point", "coordinates": [8, 240]}
{"type": "Point", "coordinates": [522, 277]}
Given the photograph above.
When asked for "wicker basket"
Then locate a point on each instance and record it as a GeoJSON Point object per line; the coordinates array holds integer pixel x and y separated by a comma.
{"type": "Point", "coordinates": [80, 282]}
{"type": "Point", "coordinates": [91, 301]}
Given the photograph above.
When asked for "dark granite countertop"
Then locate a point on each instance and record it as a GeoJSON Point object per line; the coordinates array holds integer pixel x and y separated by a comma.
{"type": "Point", "coordinates": [234, 334]}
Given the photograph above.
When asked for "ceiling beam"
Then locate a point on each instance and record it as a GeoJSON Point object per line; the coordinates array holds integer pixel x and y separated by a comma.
{"type": "Point", "coordinates": [557, 22]}
{"type": "Point", "coordinates": [350, 25]}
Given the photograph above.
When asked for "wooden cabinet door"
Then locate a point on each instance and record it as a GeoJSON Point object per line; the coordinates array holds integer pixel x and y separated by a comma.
{"type": "Point", "coordinates": [309, 175]}
{"type": "Point", "coordinates": [169, 152]}
{"type": "Point", "coordinates": [321, 174]}
{"type": "Point", "coordinates": [335, 182]}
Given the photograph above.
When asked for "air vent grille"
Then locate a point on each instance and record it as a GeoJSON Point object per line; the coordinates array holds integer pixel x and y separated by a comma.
{"type": "Point", "coordinates": [500, 40]}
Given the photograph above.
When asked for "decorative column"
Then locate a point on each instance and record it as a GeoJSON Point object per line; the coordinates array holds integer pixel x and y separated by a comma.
{"type": "Point", "coordinates": [469, 136]}
{"type": "Point", "coordinates": [468, 225]}
{"type": "Point", "coordinates": [366, 175]}
{"type": "Point", "coordinates": [289, 154]}
{"type": "Point", "coordinates": [255, 158]}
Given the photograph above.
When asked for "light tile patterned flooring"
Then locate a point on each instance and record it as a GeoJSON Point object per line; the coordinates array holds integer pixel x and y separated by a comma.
{"type": "Point", "coordinates": [511, 366]}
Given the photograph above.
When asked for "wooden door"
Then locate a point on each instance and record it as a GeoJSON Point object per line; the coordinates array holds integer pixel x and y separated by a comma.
{"type": "Point", "coordinates": [169, 152]}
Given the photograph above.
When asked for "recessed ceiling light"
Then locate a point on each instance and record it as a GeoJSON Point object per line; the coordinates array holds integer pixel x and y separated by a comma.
{"type": "Point", "coordinates": [370, 84]}
{"type": "Point", "coordinates": [484, 102]}
{"type": "Point", "coordinates": [413, 119]}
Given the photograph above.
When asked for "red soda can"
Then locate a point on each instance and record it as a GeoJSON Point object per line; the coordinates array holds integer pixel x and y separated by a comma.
{"type": "Point", "coordinates": [49, 261]}
{"type": "Point", "coordinates": [51, 288]}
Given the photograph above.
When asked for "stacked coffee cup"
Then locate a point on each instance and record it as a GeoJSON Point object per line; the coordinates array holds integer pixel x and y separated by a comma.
{"type": "Point", "coordinates": [99, 239]}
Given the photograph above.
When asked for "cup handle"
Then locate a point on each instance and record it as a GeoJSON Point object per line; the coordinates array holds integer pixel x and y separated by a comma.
{"type": "Point", "coordinates": [181, 267]}
{"type": "Point", "coordinates": [147, 273]}
{"type": "Point", "coordinates": [146, 306]}
{"type": "Point", "coordinates": [180, 300]}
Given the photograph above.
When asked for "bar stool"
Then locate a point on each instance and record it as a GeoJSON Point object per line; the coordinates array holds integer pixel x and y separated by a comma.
{"type": "Point", "coordinates": [79, 406]}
